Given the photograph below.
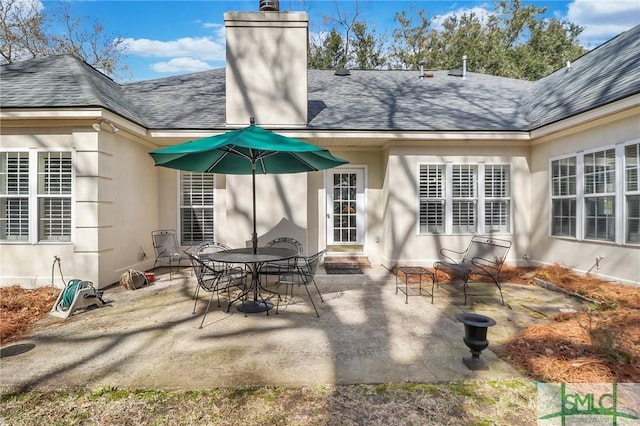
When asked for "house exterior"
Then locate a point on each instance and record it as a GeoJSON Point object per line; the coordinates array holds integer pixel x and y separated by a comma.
{"type": "Point", "coordinates": [434, 158]}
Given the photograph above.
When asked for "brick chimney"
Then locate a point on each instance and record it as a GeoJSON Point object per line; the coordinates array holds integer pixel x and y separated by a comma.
{"type": "Point", "coordinates": [266, 74]}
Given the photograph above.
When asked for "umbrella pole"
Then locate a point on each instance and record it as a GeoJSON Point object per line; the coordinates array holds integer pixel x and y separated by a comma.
{"type": "Point", "coordinates": [254, 236]}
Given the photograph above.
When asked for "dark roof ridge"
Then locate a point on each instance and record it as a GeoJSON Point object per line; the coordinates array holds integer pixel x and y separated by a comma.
{"type": "Point", "coordinates": [75, 64]}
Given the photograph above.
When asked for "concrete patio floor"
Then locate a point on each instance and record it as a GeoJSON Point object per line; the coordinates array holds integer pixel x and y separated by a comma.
{"type": "Point", "coordinates": [366, 333]}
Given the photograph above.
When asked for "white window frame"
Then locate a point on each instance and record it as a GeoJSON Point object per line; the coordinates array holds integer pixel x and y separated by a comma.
{"type": "Point", "coordinates": [574, 196]}
{"type": "Point", "coordinates": [618, 192]}
{"type": "Point", "coordinates": [607, 192]}
{"type": "Point", "coordinates": [33, 196]}
{"type": "Point", "coordinates": [464, 195]}
{"type": "Point", "coordinates": [629, 192]}
{"type": "Point", "coordinates": [478, 198]}
{"type": "Point", "coordinates": [200, 206]}
{"type": "Point", "coordinates": [434, 196]}
{"type": "Point", "coordinates": [493, 198]}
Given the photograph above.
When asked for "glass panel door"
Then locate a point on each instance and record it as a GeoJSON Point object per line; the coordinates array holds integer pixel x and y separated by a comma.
{"type": "Point", "coordinates": [345, 216]}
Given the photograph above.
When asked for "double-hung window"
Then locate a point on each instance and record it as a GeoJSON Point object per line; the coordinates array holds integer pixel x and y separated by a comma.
{"type": "Point", "coordinates": [464, 193]}
{"type": "Point", "coordinates": [196, 208]}
{"type": "Point", "coordinates": [563, 197]}
{"type": "Point", "coordinates": [497, 198]}
{"type": "Point", "coordinates": [595, 195]}
{"type": "Point", "coordinates": [464, 198]}
{"type": "Point", "coordinates": [36, 189]}
{"type": "Point", "coordinates": [432, 198]}
{"type": "Point", "coordinates": [632, 193]}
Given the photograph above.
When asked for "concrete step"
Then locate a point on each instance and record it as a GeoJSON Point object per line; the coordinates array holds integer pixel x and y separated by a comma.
{"type": "Point", "coordinates": [346, 262]}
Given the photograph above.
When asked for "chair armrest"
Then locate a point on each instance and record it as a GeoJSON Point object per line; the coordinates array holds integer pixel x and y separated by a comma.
{"type": "Point", "coordinates": [447, 254]}
{"type": "Point", "coordinates": [490, 267]}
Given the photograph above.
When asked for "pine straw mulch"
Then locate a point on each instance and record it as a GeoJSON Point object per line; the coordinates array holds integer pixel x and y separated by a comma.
{"type": "Point", "coordinates": [19, 308]}
{"type": "Point", "coordinates": [599, 344]}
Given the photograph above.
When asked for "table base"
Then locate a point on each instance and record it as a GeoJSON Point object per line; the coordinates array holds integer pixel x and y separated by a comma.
{"type": "Point", "coordinates": [253, 307]}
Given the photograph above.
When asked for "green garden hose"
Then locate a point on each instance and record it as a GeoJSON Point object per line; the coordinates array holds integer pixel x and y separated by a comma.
{"type": "Point", "coordinates": [70, 291]}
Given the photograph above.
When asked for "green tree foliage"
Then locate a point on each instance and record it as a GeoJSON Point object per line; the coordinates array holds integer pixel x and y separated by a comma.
{"type": "Point", "coordinates": [516, 41]}
{"type": "Point", "coordinates": [328, 52]}
{"type": "Point", "coordinates": [367, 49]}
{"type": "Point", "coordinates": [350, 44]}
{"type": "Point", "coordinates": [412, 41]}
{"type": "Point", "coordinates": [25, 33]}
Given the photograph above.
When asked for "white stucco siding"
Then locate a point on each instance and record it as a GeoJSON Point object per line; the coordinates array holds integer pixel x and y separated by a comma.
{"type": "Point", "coordinates": [403, 242]}
{"type": "Point", "coordinates": [130, 183]}
{"type": "Point", "coordinates": [167, 198]}
{"type": "Point", "coordinates": [114, 209]}
{"type": "Point", "coordinates": [277, 197]}
{"type": "Point", "coordinates": [266, 73]}
{"type": "Point", "coordinates": [621, 262]}
{"type": "Point", "coordinates": [374, 197]}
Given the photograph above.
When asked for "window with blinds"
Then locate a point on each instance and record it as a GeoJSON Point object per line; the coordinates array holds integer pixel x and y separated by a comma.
{"type": "Point", "coordinates": [453, 198]}
{"type": "Point", "coordinates": [54, 196]}
{"type": "Point", "coordinates": [196, 208]}
{"type": "Point", "coordinates": [14, 196]}
{"type": "Point", "coordinates": [497, 198]}
{"type": "Point", "coordinates": [36, 196]}
{"type": "Point", "coordinates": [563, 197]}
{"type": "Point", "coordinates": [432, 201]}
{"type": "Point", "coordinates": [599, 190]}
{"type": "Point", "coordinates": [596, 195]}
{"type": "Point", "coordinates": [464, 193]}
{"type": "Point", "coordinates": [632, 193]}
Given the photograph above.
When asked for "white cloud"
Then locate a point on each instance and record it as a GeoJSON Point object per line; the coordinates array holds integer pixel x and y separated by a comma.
{"type": "Point", "coordinates": [202, 48]}
{"type": "Point", "coordinates": [482, 12]}
{"type": "Point", "coordinates": [318, 38]}
{"type": "Point", "coordinates": [182, 64]}
{"type": "Point", "coordinates": [603, 20]}
{"type": "Point", "coordinates": [20, 9]}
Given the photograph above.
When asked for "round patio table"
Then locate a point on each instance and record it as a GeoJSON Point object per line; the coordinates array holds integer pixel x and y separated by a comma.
{"type": "Point", "coordinates": [254, 261]}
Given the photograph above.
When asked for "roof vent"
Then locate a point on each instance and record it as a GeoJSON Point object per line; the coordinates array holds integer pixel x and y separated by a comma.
{"type": "Point", "coordinates": [269, 5]}
{"type": "Point", "coordinates": [460, 72]}
{"type": "Point", "coordinates": [342, 72]}
{"type": "Point", "coordinates": [464, 67]}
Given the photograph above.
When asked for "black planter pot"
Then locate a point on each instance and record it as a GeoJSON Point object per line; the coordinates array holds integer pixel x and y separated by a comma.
{"type": "Point", "coordinates": [475, 337]}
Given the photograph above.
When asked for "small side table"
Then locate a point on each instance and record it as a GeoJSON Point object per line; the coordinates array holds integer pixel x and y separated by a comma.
{"type": "Point", "coordinates": [413, 270]}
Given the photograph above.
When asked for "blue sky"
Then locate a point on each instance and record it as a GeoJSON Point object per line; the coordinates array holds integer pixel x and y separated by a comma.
{"type": "Point", "coordinates": [179, 37]}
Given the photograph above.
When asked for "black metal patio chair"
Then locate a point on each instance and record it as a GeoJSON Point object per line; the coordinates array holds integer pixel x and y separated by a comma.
{"type": "Point", "coordinates": [301, 272]}
{"type": "Point", "coordinates": [483, 257]}
{"type": "Point", "coordinates": [215, 281]}
{"type": "Point", "coordinates": [276, 268]}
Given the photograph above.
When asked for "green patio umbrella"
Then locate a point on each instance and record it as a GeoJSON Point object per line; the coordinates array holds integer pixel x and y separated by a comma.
{"type": "Point", "coordinates": [249, 150]}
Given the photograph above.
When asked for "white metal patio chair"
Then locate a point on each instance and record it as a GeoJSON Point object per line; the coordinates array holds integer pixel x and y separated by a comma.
{"type": "Point", "coordinates": [165, 245]}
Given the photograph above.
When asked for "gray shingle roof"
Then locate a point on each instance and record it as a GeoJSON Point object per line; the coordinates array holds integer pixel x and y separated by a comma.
{"type": "Point", "coordinates": [608, 73]}
{"type": "Point", "coordinates": [365, 100]}
{"type": "Point", "coordinates": [193, 101]}
{"type": "Point", "coordinates": [399, 100]}
{"type": "Point", "coordinates": [61, 81]}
